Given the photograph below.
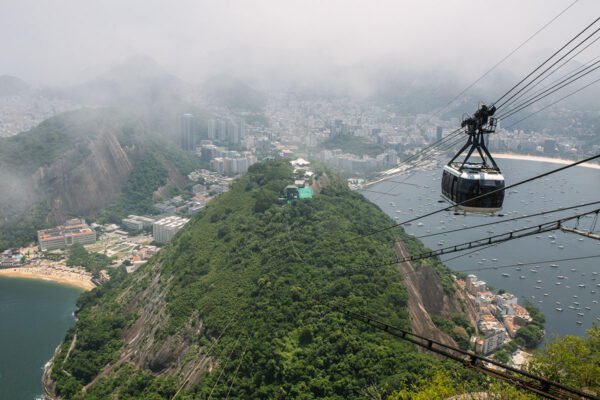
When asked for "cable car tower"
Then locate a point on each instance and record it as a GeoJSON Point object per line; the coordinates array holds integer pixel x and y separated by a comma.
{"type": "Point", "coordinates": [463, 182]}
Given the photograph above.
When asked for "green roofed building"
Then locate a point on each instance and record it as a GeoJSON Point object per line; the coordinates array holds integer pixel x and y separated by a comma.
{"type": "Point", "coordinates": [293, 192]}
{"type": "Point", "coordinates": [305, 193]}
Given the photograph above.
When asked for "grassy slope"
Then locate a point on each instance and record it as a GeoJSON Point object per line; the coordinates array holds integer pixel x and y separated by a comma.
{"type": "Point", "coordinates": [353, 145]}
{"type": "Point", "coordinates": [252, 277]}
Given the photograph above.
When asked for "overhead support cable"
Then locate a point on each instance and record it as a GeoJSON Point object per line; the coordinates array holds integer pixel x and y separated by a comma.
{"type": "Point", "coordinates": [496, 239]}
{"type": "Point", "coordinates": [478, 197]}
{"type": "Point", "coordinates": [465, 90]}
{"type": "Point", "coordinates": [508, 104]}
{"type": "Point", "coordinates": [547, 92]}
{"type": "Point", "coordinates": [514, 376]}
{"type": "Point", "coordinates": [580, 232]}
{"type": "Point", "coordinates": [509, 220]}
{"type": "Point", "coordinates": [553, 103]}
{"type": "Point", "coordinates": [542, 65]}
{"type": "Point", "coordinates": [424, 151]}
{"type": "Point", "coordinates": [521, 264]}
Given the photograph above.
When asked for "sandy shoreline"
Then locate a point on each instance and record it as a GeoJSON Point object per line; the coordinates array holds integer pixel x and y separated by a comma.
{"type": "Point", "coordinates": [525, 157]}
{"type": "Point", "coordinates": [63, 276]}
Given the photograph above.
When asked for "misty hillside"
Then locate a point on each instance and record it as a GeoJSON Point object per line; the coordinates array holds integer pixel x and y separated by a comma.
{"type": "Point", "coordinates": [79, 163]}
{"type": "Point", "coordinates": [12, 86]}
{"type": "Point", "coordinates": [138, 80]}
{"type": "Point", "coordinates": [233, 93]}
{"type": "Point", "coordinates": [230, 307]}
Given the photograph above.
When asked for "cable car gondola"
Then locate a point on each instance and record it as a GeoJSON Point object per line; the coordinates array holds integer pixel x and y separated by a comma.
{"type": "Point", "coordinates": [463, 182]}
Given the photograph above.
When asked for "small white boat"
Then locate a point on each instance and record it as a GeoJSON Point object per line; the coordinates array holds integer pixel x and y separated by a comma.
{"type": "Point", "coordinates": [504, 274]}
{"type": "Point", "coordinates": [558, 309]}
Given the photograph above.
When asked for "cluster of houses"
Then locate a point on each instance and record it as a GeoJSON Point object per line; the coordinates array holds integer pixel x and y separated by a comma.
{"type": "Point", "coordinates": [499, 315]}
{"type": "Point", "coordinates": [301, 189]}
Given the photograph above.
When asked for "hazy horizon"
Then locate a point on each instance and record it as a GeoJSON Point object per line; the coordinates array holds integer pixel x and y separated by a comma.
{"type": "Point", "coordinates": [271, 43]}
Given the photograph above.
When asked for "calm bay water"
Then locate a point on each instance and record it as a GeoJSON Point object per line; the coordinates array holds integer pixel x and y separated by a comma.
{"type": "Point", "coordinates": [537, 282]}
{"type": "Point", "coordinates": [34, 317]}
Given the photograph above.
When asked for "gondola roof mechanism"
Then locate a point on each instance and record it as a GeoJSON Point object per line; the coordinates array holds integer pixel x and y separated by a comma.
{"type": "Point", "coordinates": [466, 182]}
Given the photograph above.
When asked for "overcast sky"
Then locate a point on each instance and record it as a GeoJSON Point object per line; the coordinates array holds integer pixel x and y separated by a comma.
{"type": "Point", "coordinates": [66, 41]}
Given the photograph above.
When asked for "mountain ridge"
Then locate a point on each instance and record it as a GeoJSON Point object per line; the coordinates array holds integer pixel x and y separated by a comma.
{"type": "Point", "coordinates": [233, 295]}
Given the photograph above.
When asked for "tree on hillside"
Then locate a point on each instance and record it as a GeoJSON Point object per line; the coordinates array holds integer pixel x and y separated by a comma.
{"type": "Point", "coordinates": [572, 360]}
{"type": "Point", "coordinates": [529, 335]}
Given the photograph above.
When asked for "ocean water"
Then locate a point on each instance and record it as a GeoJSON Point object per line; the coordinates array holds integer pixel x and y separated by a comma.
{"type": "Point", "coordinates": [537, 282]}
{"type": "Point", "coordinates": [34, 317]}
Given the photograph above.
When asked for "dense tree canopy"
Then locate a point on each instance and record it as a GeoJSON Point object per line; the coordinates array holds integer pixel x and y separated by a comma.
{"type": "Point", "coordinates": [252, 271]}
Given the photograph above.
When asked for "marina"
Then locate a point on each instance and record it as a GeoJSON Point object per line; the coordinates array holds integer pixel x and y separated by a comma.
{"type": "Point", "coordinates": [557, 281]}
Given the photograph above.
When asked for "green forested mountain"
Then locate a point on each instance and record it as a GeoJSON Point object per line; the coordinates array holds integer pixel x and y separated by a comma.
{"type": "Point", "coordinates": [230, 308]}
{"type": "Point", "coordinates": [353, 145]}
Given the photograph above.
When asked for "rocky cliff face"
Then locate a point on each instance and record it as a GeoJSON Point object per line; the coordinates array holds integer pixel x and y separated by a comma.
{"type": "Point", "coordinates": [89, 186]}
{"type": "Point", "coordinates": [426, 298]}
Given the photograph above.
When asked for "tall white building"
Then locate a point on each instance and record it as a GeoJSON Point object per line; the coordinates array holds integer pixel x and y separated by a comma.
{"type": "Point", "coordinates": [164, 229]}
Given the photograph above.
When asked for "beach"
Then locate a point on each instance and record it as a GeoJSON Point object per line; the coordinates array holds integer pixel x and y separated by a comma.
{"type": "Point", "coordinates": [59, 274]}
{"type": "Point", "coordinates": [525, 157]}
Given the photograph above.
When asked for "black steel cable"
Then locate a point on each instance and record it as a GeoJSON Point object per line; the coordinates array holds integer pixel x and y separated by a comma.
{"type": "Point", "coordinates": [547, 93]}
{"type": "Point", "coordinates": [508, 104]}
{"type": "Point", "coordinates": [429, 157]}
{"type": "Point", "coordinates": [550, 67]}
{"type": "Point", "coordinates": [499, 238]}
{"type": "Point", "coordinates": [237, 370]}
{"type": "Point", "coordinates": [508, 220]}
{"type": "Point", "coordinates": [223, 367]}
{"type": "Point", "coordinates": [468, 253]}
{"type": "Point", "coordinates": [542, 64]}
{"type": "Point", "coordinates": [429, 148]}
{"type": "Point", "coordinates": [417, 163]}
{"type": "Point", "coordinates": [523, 379]}
{"type": "Point", "coordinates": [553, 103]}
{"type": "Point", "coordinates": [381, 176]}
{"type": "Point", "coordinates": [189, 375]}
{"type": "Point", "coordinates": [480, 196]}
{"type": "Point", "coordinates": [532, 383]}
{"type": "Point", "coordinates": [502, 60]}
{"type": "Point", "coordinates": [529, 263]}
{"type": "Point", "coordinates": [556, 83]}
